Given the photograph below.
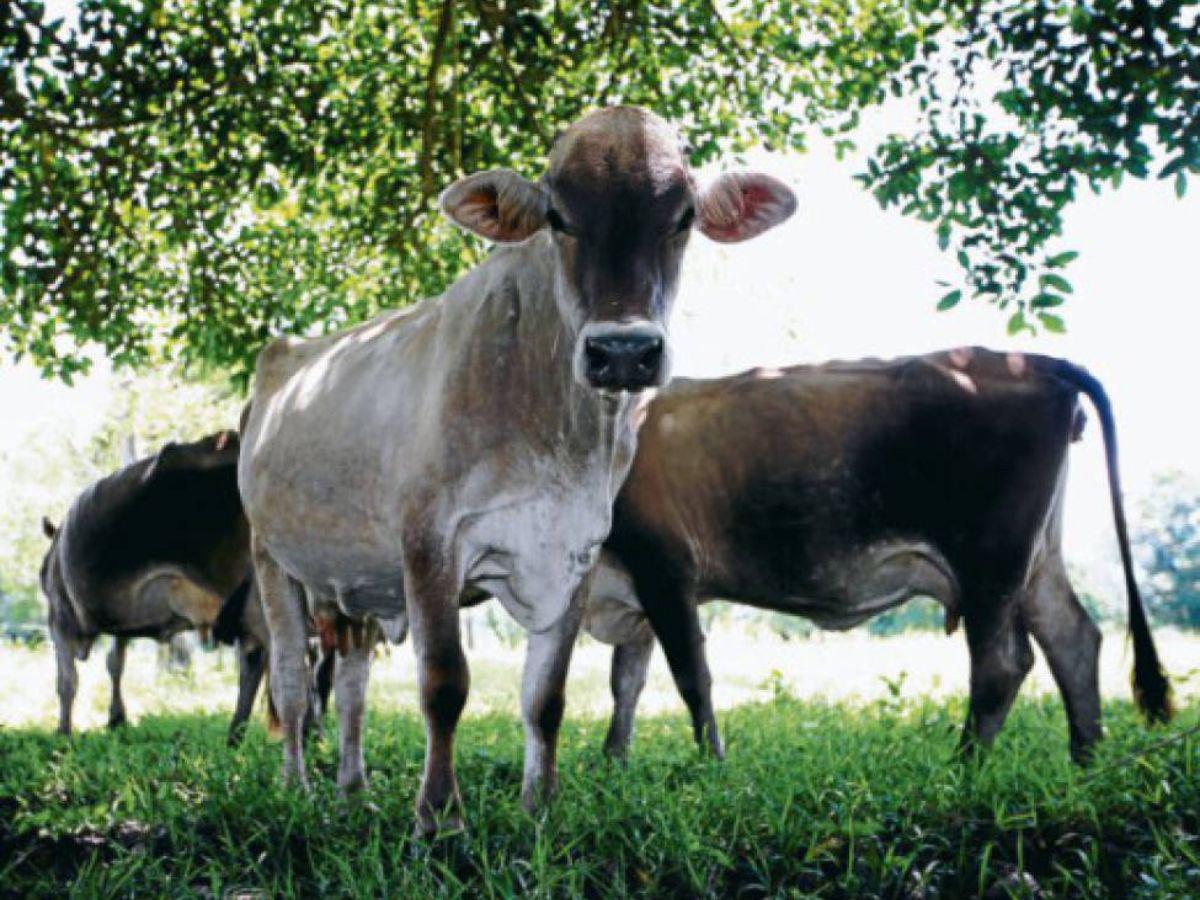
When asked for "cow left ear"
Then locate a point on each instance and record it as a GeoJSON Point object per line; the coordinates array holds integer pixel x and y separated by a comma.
{"type": "Point", "coordinates": [48, 528]}
{"type": "Point", "coordinates": [498, 205]}
{"type": "Point", "coordinates": [738, 206]}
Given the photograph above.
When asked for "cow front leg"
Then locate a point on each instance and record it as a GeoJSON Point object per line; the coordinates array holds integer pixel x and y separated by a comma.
{"type": "Point", "coordinates": [630, 663]}
{"type": "Point", "coordinates": [68, 679]}
{"type": "Point", "coordinates": [676, 624]}
{"type": "Point", "coordinates": [116, 667]}
{"type": "Point", "coordinates": [350, 678]}
{"type": "Point", "coordinates": [543, 698]}
{"type": "Point", "coordinates": [443, 679]}
{"type": "Point", "coordinates": [252, 663]}
{"type": "Point", "coordinates": [1001, 657]}
{"type": "Point", "coordinates": [284, 611]}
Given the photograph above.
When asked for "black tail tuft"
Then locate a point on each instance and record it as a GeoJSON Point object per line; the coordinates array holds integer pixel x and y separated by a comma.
{"type": "Point", "coordinates": [1151, 688]}
{"type": "Point", "coordinates": [227, 629]}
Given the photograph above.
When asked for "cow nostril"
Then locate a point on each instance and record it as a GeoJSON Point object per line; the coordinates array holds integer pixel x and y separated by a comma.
{"type": "Point", "coordinates": [597, 355]}
{"type": "Point", "coordinates": [649, 358]}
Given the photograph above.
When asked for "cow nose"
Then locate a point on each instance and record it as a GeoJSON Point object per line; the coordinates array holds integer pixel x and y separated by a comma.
{"type": "Point", "coordinates": [625, 360]}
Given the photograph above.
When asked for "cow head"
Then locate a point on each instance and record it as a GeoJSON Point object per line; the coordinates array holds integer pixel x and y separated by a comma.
{"type": "Point", "coordinates": [620, 204]}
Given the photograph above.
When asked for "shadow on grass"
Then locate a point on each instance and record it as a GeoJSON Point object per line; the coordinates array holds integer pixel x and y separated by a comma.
{"type": "Point", "coordinates": [815, 799]}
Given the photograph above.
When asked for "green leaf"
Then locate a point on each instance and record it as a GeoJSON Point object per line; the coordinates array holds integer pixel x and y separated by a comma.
{"type": "Point", "coordinates": [1016, 323]}
{"type": "Point", "coordinates": [1180, 184]}
{"type": "Point", "coordinates": [1050, 280]}
{"type": "Point", "coordinates": [1061, 259]}
{"type": "Point", "coordinates": [949, 301]}
{"type": "Point", "coordinates": [1052, 322]}
{"type": "Point", "coordinates": [1045, 301]}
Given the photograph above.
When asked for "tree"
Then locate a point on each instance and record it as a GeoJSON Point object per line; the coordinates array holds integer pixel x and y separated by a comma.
{"type": "Point", "coordinates": [1167, 542]}
{"type": "Point", "coordinates": [192, 177]}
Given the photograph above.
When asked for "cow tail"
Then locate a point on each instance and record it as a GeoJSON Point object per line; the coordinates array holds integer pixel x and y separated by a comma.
{"type": "Point", "coordinates": [1151, 688]}
{"type": "Point", "coordinates": [227, 629]}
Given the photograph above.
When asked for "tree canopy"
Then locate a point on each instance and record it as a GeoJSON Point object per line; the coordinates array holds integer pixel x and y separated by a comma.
{"type": "Point", "coordinates": [191, 177]}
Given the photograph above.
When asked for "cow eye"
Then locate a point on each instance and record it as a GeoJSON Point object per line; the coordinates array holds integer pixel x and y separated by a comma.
{"type": "Point", "coordinates": [686, 220]}
{"type": "Point", "coordinates": [557, 223]}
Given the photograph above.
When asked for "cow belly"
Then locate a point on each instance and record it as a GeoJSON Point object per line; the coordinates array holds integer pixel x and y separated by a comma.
{"type": "Point", "coordinates": [860, 585]}
{"type": "Point", "coordinates": [612, 613]}
{"type": "Point", "coordinates": [158, 604]}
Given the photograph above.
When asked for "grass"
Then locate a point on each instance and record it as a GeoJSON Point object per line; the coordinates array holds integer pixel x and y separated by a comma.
{"type": "Point", "coordinates": [817, 799]}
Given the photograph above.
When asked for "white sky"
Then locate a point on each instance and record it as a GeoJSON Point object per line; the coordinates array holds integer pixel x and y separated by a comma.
{"type": "Point", "coordinates": [844, 279]}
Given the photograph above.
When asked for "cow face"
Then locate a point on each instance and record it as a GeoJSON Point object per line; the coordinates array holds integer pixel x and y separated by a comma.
{"type": "Point", "coordinates": [620, 204]}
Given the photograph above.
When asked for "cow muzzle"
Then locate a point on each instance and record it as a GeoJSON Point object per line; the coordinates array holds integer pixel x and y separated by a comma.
{"type": "Point", "coordinates": [622, 357]}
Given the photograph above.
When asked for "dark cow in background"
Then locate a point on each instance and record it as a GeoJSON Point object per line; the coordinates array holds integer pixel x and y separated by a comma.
{"type": "Point", "coordinates": [838, 491]}
{"type": "Point", "coordinates": [149, 551]}
{"type": "Point", "coordinates": [476, 441]}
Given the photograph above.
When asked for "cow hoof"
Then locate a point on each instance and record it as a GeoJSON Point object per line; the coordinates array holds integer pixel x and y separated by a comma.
{"type": "Point", "coordinates": [536, 797]}
{"type": "Point", "coordinates": [114, 724]}
{"type": "Point", "coordinates": [353, 786]}
{"type": "Point", "coordinates": [427, 827]}
{"type": "Point", "coordinates": [617, 748]}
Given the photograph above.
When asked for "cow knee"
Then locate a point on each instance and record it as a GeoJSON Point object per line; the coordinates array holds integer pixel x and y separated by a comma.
{"type": "Point", "coordinates": [444, 695]}
{"type": "Point", "coordinates": [548, 713]}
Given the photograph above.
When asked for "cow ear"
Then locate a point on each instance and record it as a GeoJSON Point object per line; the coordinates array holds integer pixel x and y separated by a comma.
{"type": "Point", "coordinates": [162, 460]}
{"type": "Point", "coordinates": [498, 205]}
{"type": "Point", "coordinates": [48, 528]}
{"type": "Point", "coordinates": [738, 206]}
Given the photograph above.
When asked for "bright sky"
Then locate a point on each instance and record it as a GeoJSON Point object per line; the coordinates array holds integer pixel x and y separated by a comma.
{"type": "Point", "coordinates": [845, 279]}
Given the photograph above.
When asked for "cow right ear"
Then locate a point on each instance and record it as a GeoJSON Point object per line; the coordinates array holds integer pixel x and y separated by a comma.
{"type": "Point", "coordinates": [48, 528]}
{"type": "Point", "coordinates": [498, 205]}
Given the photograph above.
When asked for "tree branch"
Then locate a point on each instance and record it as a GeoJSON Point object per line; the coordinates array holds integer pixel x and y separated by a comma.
{"type": "Point", "coordinates": [445, 23]}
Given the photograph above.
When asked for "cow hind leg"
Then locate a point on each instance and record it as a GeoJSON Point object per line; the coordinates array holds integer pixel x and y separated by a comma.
{"type": "Point", "coordinates": [543, 699]}
{"type": "Point", "coordinates": [284, 611]}
{"type": "Point", "coordinates": [68, 680]}
{"type": "Point", "coordinates": [251, 665]}
{"type": "Point", "coordinates": [630, 664]}
{"type": "Point", "coordinates": [350, 691]}
{"type": "Point", "coordinates": [1071, 642]}
{"type": "Point", "coordinates": [326, 670]}
{"type": "Point", "coordinates": [1001, 657]}
{"type": "Point", "coordinates": [116, 667]}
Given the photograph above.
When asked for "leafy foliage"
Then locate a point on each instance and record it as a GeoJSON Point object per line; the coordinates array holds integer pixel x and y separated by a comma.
{"type": "Point", "coordinates": [1168, 546]}
{"type": "Point", "coordinates": [1087, 93]}
{"type": "Point", "coordinates": [190, 177]}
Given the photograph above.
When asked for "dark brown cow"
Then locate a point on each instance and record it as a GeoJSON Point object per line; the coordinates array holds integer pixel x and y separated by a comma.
{"type": "Point", "coordinates": [149, 551]}
{"type": "Point", "coordinates": [838, 491]}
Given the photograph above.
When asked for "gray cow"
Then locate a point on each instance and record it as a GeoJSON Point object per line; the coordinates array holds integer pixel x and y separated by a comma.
{"type": "Point", "coordinates": [149, 551]}
{"type": "Point", "coordinates": [838, 491]}
{"type": "Point", "coordinates": [475, 442]}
